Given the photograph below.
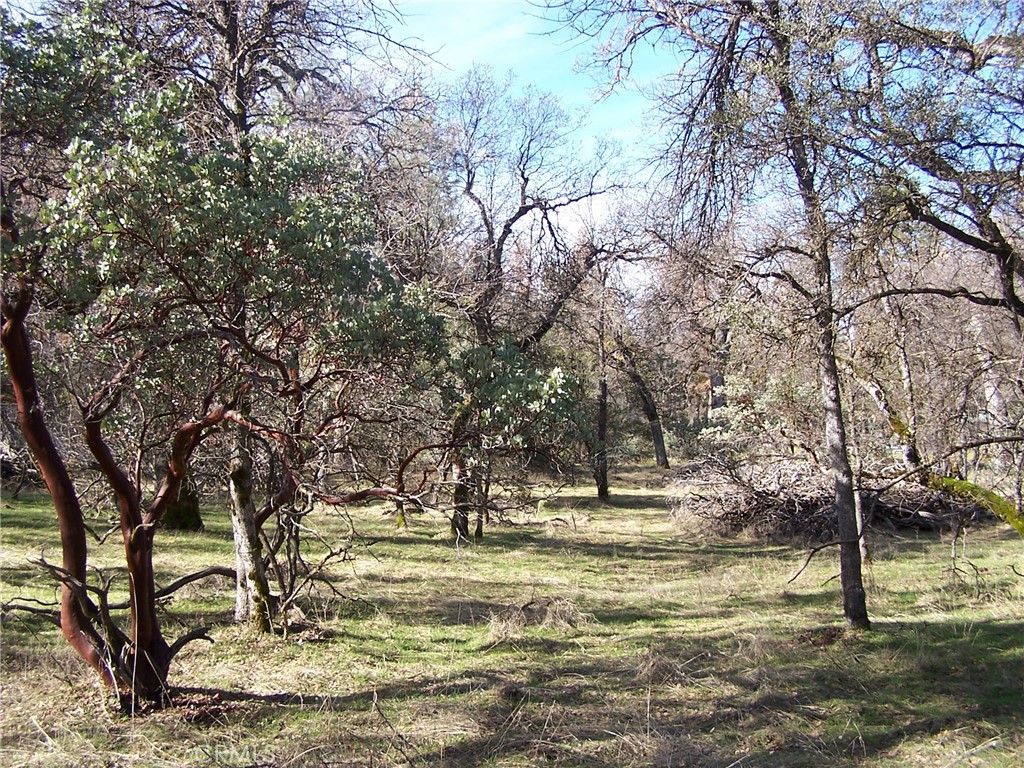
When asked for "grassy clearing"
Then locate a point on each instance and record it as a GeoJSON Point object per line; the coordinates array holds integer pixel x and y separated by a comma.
{"type": "Point", "coordinates": [587, 636]}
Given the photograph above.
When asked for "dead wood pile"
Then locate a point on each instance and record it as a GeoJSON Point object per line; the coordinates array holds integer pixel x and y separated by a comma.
{"type": "Point", "coordinates": [789, 501]}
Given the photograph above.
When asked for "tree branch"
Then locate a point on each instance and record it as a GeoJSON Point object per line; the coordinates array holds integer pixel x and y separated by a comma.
{"type": "Point", "coordinates": [948, 293]}
{"type": "Point", "coordinates": [815, 550]}
{"type": "Point", "coordinates": [950, 452]}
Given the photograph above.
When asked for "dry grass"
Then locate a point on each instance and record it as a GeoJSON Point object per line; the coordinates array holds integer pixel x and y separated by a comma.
{"type": "Point", "coordinates": [611, 641]}
{"type": "Point", "coordinates": [556, 613]}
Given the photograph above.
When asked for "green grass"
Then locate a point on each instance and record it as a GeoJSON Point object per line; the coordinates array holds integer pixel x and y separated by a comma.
{"type": "Point", "coordinates": [685, 653]}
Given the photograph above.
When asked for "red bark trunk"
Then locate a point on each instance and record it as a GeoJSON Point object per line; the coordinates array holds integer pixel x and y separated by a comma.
{"type": "Point", "coordinates": [75, 624]}
{"type": "Point", "coordinates": [150, 656]}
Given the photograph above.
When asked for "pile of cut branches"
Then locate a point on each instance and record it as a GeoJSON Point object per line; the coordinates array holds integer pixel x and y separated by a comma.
{"type": "Point", "coordinates": [910, 505]}
{"type": "Point", "coordinates": [790, 501]}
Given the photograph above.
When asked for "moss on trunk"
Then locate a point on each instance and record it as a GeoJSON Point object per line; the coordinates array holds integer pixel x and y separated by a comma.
{"type": "Point", "coordinates": [962, 489]}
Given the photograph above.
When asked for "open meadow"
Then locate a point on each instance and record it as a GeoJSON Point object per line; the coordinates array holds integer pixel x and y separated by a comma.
{"type": "Point", "coordinates": [582, 635]}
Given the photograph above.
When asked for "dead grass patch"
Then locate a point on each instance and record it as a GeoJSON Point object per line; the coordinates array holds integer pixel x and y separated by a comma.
{"type": "Point", "coordinates": [554, 613]}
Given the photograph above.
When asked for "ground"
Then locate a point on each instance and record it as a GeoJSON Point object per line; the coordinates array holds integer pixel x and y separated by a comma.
{"type": "Point", "coordinates": [581, 635]}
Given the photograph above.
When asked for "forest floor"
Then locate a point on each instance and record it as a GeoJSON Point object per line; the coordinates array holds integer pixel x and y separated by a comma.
{"type": "Point", "coordinates": [579, 635]}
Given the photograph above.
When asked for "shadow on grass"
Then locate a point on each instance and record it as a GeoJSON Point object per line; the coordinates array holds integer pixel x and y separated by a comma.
{"type": "Point", "coordinates": [455, 611]}
{"type": "Point", "coordinates": [587, 501]}
{"type": "Point", "coordinates": [26, 517]}
{"type": "Point", "coordinates": [28, 575]}
{"type": "Point", "coordinates": [692, 554]}
{"type": "Point", "coordinates": [710, 701]}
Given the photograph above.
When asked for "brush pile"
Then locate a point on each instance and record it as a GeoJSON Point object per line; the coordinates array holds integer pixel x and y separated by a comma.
{"type": "Point", "coordinates": [789, 501]}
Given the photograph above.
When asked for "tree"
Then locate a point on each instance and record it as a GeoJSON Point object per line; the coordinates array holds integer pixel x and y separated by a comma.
{"type": "Point", "coordinates": [937, 373]}
{"type": "Point", "coordinates": [748, 100]}
{"type": "Point", "coordinates": [631, 367]}
{"type": "Point", "coordinates": [513, 165]}
{"type": "Point", "coordinates": [258, 68]}
{"type": "Point", "coordinates": [38, 62]}
{"type": "Point", "coordinates": [140, 263]}
{"type": "Point", "coordinates": [932, 107]}
{"type": "Point", "coordinates": [252, 61]}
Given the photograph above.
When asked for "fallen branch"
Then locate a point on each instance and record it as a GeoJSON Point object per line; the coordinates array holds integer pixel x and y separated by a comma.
{"type": "Point", "coordinates": [816, 550]}
{"type": "Point", "coordinates": [380, 712]}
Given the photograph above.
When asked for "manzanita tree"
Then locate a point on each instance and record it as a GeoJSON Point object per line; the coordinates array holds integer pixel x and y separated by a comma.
{"type": "Point", "coordinates": [46, 106]}
{"type": "Point", "coordinates": [136, 256]}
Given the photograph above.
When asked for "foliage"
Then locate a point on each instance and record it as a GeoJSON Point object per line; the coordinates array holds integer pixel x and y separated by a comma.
{"type": "Point", "coordinates": [173, 254]}
{"type": "Point", "coordinates": [59, 82]}
{"type": "Point", "coordinates": [517, 402]}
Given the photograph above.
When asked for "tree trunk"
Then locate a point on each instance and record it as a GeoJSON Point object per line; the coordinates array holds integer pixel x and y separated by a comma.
{"type": "Point", "coordinates": [482, 493]}
{"type": "Point", "coordinates": [600, 449]}
{"type": "Point", "coordinates": [720, 354]}
{"type": "Point", "coordinates": [462, 500]}
{"type": "Point", "coordinates": [650, 407]}
{"type": "Point", "coordinates": [478, 533]}
{"type": "Point", "coordinates": [996, 413]}
{"type": "Point", "coordinates": [74, 623]}
{"type": "Point", "coordinates": [183, 513]}
{"type": "Point", "coordinates": [911, 453]}
{"type": "Point", "coordinates": [658, 439]}
{"type": "Point", "coordinates": [854, 597]}
{"type": "Point", "coordinates": [252, 594]}
{"type": "Point", "coordinates": [797, 140]}
{"type": "Point", "coordinates": [462, 496]}
{"type": "Point", "coordinates": [901, 428]}
{"type": "Point", "coordinates": [135, 665]}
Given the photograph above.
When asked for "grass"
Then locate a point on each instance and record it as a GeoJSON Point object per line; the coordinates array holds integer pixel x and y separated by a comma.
{"type": "Point", "coordinates": [663, 651]}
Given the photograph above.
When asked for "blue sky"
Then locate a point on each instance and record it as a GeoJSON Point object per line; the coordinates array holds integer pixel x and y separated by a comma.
{"type": "Point", "coordinates": [512, 35]}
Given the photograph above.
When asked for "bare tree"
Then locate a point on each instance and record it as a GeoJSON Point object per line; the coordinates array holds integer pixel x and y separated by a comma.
{"type": "Point", "coordinates": [933, 109]}
{"type": "Point", "coordinates": [746, 102]}
{"type": "Point", "coordinates": [519, 181]}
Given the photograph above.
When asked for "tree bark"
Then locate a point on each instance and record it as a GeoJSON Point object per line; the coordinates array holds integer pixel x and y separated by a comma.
{"type": "Point", "coordinates": [650, 407]}
{"type": "Point", "coordinates": [152, 654]}
{"type": "Point", "coordinates": [75, 623]}
{"type": "Point", "coordinates": [911, 453]}
{"type": "Point", "coordinates": [599, 451]}
{"type": "Point", "coordinates": [462, 498]}
{"type": "Point", "coordinates": [252, 594]}
{"type": "Point", "coordinates": [850, 564]}
{"type": "Point", "coordinates": [135, 666]}
{"type": "Point", "coordinates": [901, 427]}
